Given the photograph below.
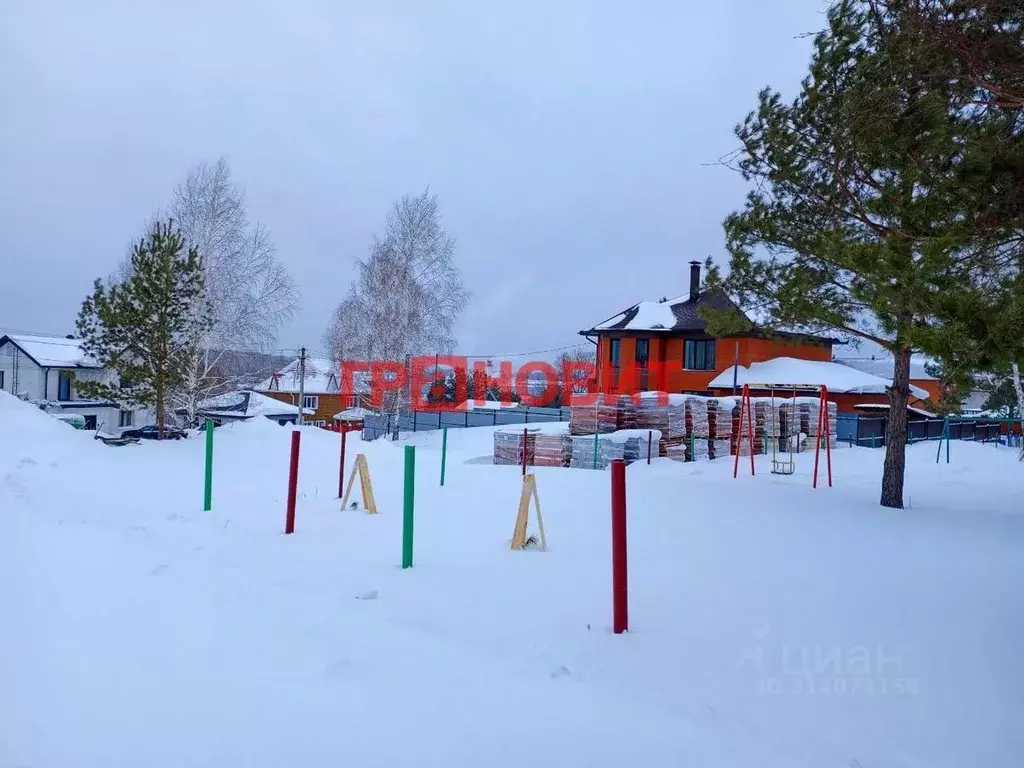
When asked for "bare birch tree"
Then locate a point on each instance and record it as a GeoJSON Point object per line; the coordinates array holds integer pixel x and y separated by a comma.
{"type": "Point", "coordinates": [408, 294]}
{"type": "Point", "coordinates": [1018, 388]}
{"type": "Point", "coordinates": [248, 291]}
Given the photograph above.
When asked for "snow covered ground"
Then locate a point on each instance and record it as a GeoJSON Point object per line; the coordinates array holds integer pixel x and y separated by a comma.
{"type": "Point", "coordinates": [772, 625]}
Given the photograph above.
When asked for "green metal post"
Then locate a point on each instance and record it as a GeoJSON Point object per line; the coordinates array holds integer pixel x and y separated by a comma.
{"type": "Point", "coordinates": [208, 491]}
{"type": "Point", "coordinates": [944, 435]}
{"type": "Point", "coordinates": [444, 450]}
{"type": "Point", "coordinates": [410, 487]}
{"type": "Point", "coordinates": [595, 450]}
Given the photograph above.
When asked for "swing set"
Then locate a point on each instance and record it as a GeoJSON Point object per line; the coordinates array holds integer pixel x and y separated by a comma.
{"type": "Point", "coordinates": [784, 461]}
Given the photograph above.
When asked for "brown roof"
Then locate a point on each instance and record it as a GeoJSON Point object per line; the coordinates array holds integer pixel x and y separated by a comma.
{"type": "Point", "coordinates": [684, 310]}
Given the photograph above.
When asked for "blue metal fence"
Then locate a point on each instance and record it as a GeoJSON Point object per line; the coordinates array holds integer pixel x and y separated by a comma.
{"type": "Point", "coordinates": [851, 428]}
{"type": "Point", "coordinates": [869, 431]}
{"type": "Point", "coordinates": [377, 425]}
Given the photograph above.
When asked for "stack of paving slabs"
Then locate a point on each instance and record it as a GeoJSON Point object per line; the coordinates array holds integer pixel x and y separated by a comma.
{"type": "Point", "coordinates": [594, 413]}
{"type": "Point", "coordinates": [625, 412]}
{"type": "Point", "coordinates": [508, 447]}
{"type": "Point", "coordinates": [632, 450]}
{"type": "Point", "coordinates": [696, 417]}
{"type": "Point", "coordinates": [676, 417]}
{"type": "Point", "coordinates": [719, 449]}
{"type": "Point", "coordinates": [789, 414]}
{"type": "Point", "coordinates": [701, 448]}
{"type": "Point", "coordinates": [652, 412]}
{"type": "Point", "coordinates": [552, 449]}
{"type": "Point", "coordinates": [720, 417]}
{"type": "Point", "coordinates": [812, 423]}
{"type": "Point", "coordinates": [679, 451]}
{"type": "Point", "coordinates": [670, 443]}
{"type": "Point", "coordinates": [582, 454]}
{"type": "Point", "coordinates": [583, 419]}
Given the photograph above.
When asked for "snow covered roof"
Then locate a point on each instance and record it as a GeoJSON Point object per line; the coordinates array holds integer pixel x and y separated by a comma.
{"type": "Point", "coordinates": [489, 405]}
{"type": "Point", "coordinates": [352, 414]}
{"type": "Point", "coordinates": [678, 314]}
{"type": "Point", "coordinates": [884, 407]}
{"type": "Point", "coordinates": [323, 377]}
{"type": "Point", "coordinates": [882, 365]}
{"type": "Point", "coordinates": [51, 351]}
{"type": "Point", "coordinates": [246, 404]}
{"type": "Point", "coordinates": [789, 371]}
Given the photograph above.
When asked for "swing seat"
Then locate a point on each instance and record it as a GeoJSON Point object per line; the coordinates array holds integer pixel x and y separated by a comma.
{"type": "Point", "coordinates": [781, 467]}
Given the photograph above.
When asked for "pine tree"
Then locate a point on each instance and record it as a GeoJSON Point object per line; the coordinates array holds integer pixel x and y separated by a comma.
{"type": "Point", "coordinates": [867, 215]}
{"type": "Point", "coordinates": [1002, 399]}
{"type": "Point", "coordinates": [147, 326]}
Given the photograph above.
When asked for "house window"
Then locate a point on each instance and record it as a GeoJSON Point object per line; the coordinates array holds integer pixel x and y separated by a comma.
{"type": "Point", "coordinates": [613, 352]}
{"type": "Point", "coordinates": [1, 379]}
{"type": "Point", "coordinates": [319, 423]}
{"type": "Point", "coordinates": [643, 352]}
{"type": "Point", "coordinates": [64, 386]}
{"type": "Point", "coordinates": [126, 418]}
{"type": "Point", "coordinates": [311, 402]}
{"type": "Point", "coordinates": [699, 355]}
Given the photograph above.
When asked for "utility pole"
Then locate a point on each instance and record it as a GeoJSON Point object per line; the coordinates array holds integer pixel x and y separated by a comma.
{"type": "Point", "coordinates": [302, 385]}
{"type": "Point", "coordinates": [735, 369]}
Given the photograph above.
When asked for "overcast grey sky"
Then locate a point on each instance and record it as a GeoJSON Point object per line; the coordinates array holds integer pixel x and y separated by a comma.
{"type": "Point", "coordinates": [570, 142]}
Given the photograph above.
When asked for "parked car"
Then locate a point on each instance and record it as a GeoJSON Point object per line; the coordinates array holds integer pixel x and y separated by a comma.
{"type": "Point", "coordinates": [150, 433]}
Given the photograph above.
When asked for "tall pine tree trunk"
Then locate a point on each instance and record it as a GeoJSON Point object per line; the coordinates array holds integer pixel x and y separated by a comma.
{"type": "Point", "coordinates": [894, 468]}
{"type": "Point", "coordinates": [161, 416]}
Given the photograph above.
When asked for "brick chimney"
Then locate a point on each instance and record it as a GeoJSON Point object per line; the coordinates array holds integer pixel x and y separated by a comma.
{"type": "Point", "coordinates": [694, 280]}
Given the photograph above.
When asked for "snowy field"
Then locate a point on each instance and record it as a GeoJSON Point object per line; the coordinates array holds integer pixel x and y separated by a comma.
{"type": "Point", "coordinates": [772, 625]}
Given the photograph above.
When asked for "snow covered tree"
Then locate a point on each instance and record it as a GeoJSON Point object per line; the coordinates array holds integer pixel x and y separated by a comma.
{"type": "Point", "coordinates": [248, 292]}
{"type": "Point", "coordinates": [408, 294]}
{"type": "Point", "coordinates": [146, 327]}
{"type": "Point", "coordinates": [870, 213]}
{"type": "Point", "coordinates": [1002, 399]}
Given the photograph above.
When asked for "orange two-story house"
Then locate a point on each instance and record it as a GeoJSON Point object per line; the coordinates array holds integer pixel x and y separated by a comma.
{"type": "Point", "coordinates": [321, 390]}
{"type": "Point", "coordinates": [664, 345]}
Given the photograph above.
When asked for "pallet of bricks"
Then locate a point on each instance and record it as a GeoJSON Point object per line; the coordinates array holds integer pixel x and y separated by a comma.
{"type": "Point", "coordinates": [697, 430]}
{"type": "Point", "coordinates": [665, 413]}
{"type": "Point", "coordinates": [637, 442]}
{"type": "Point", "coordinates": [587, 455]}
{"type": "Point", "coordinates": [812, 423]}
{"type": "Point", "coordinates": [767, 426]}
{"type": "Point", "coordinates": [593, 413]}
{"type": "Point", "coordinates": [722, 412]}
{"type": "Point", "coordinates": [553, 449]}
{"type": "Point", "coordinates": [799, 417]}
{"type": "Point", "coordinates": [509, 446]}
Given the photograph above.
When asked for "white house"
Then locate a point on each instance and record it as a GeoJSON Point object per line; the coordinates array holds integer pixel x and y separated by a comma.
{"type": "Point", "coordinates": [44, 369]}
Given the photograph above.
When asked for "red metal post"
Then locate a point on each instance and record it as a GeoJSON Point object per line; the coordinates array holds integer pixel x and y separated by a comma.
{"type": "Point", "coordinates": [650, 434]}
{"type": "Point", "coordinates": [524, 451]}
{"type": "Point", "coordinates": [828, 435]}
{"type": "Point", "coordinates": [341, 465]}
{"type": "Point", "coordinates": [293, 482]}
{"type": "Point", "coordinates": [620, 577]}
{"type": "Point", "coordinates": [744, 403]}
{"type": "Point", "coordinates": [817, 436]}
